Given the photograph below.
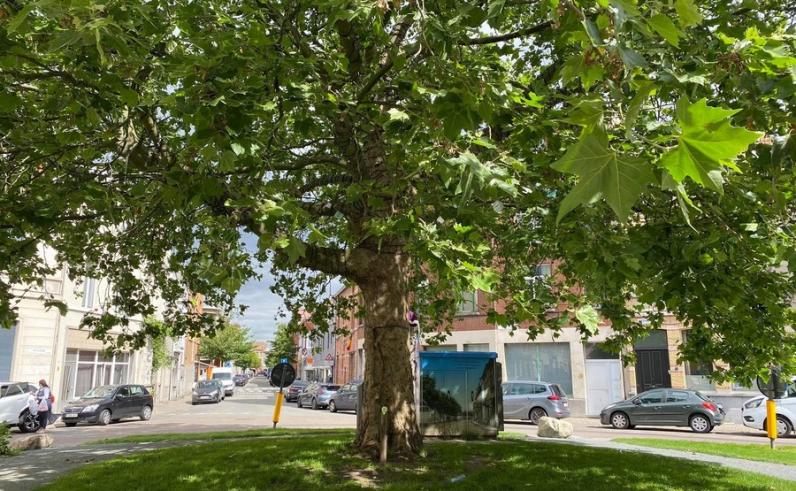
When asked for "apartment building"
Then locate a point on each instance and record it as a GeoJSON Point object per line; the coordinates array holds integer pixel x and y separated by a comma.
{"type": "Point", "coordinates": [44, 344]}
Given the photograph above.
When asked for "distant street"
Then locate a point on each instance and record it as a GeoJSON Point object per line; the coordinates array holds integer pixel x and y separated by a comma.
{"type": "Point", "coordinates": [253, 406]}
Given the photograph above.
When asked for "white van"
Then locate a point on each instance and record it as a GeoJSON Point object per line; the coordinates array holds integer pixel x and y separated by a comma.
{"type": "Point", "coordinates": [224, 375]}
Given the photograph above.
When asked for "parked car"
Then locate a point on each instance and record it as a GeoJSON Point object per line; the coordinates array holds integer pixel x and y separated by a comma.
{"type": "Point", "coordinates": [346, 398]}
{"type": "Point", "coordinates": [14, 406]}
{"type": "Point", "coordinates": [293, 391]}
{"type": "Point", "coordinates": [665, 407]}
{"type": "Point", "coordinates": [240, 380]}
{"type": "Point", "coordinates": [316, 395]}
{"type": "Point", "coordinates": [108, 403]}
{"type": "Point", "coordinates": [753, 413]}
{"type": "Point", "coordinates": [531, 400]}
{"type": "Point", "coordinates": [207, 391]}
{"type": "Point", "coordinates": [224, 375]}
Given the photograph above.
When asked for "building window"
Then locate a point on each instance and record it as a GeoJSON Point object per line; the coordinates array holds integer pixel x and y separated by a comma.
{"type": "Point", "coordinates": [440, 347]}
{"type": "Point", "coordinates": [86, 369]}
{"type": "Point", "coordinates": [476, 347]}
{"type": "Point", "coordinates": [697, 374]}
{"type": "Point", "coordinates": [543, 270]}
{"type": "Point", "coordinates": [89, 290]}
{"type": "Point", "coordinates": [544, 362]}
{"type": "Point", "coordinates": [467, 304]}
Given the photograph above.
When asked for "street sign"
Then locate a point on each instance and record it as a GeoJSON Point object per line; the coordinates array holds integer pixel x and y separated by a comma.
{"type": "Point", "coordinates": [283, 375]}
{"type": "Point", "coordinates": [329, 357]}
{"type": "Point", "coordinates": [283, 360]}
{"type": "Point", "coordinates": [775, 387]}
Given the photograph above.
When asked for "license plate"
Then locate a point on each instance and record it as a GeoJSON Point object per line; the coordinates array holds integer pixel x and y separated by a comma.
{"type": "Point", "coordinates": [205, 397]}
{"type": "Point", "coordinates": [70, 415]}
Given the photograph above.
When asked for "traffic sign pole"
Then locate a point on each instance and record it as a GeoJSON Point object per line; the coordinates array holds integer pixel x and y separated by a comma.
{"type": "Point", "coordinates": [771, 420]}
{"type": "Point", "coordinates": [278, 406]}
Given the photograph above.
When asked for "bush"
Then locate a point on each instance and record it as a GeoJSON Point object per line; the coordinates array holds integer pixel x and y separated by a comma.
{"type": "Point", "coordinates": [5, 439]}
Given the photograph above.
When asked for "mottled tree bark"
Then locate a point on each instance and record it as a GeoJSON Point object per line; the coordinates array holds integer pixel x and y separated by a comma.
{"type": "Point", "coordinates": [388, 369]}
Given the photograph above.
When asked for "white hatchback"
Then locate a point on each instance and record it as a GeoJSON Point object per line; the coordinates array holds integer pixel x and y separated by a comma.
{"type": "Point", "coordinates": [753, 412]}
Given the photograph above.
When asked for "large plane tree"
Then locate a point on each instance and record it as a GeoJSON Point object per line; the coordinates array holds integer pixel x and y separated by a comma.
{"type": "Point", "coordinates": [417, 149]}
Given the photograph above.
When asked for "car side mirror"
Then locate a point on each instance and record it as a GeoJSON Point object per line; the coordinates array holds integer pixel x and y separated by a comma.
{"type": "Point", "coordinates": [637, 402]}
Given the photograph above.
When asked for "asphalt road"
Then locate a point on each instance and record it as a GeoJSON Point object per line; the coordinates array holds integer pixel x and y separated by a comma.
{"type": "Point", "coordinates": [253, 406]}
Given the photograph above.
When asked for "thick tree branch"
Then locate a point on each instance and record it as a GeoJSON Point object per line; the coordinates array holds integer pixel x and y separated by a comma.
{"type": "Point", "coordinates": [506, 37]}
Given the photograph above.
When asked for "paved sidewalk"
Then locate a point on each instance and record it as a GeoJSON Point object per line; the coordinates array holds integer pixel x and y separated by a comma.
{"type": "Point", "coordinates": [780, 471]}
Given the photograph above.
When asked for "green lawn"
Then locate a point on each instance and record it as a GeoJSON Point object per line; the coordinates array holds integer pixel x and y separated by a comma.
{"type": "Point", "coordinates": [312, 461]}
{"type": "Point", "coordinates": [748, 451]}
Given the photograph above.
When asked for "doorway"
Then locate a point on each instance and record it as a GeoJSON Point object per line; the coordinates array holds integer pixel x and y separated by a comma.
{"type": "Point", "coordinates": [603, 384]}
{"type": "Point", "coordinates": [652, 369]}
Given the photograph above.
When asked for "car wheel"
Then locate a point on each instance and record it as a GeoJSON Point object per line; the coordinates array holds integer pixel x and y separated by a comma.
{"type": "Point", "coordinates": [700, 424]}
{"type": "Point", "coordinates": [332, 407]}
{"type": "Point", "coordinates": [620, 421]}
{"type": "Point", "coordinates": [784, 427]}
{"type": "Point", "coordinates": [104, 417]}
{"type": "Point", "coordinates": [536, 414]}
{"type": "Point", "coordinates": [70, 425]}
{"type": "Point", "coordinates": [146, 413]}
{"type": "Point", "coordinates": [314, 404]}
{"type": "Point", "coordinates": [28, 423]}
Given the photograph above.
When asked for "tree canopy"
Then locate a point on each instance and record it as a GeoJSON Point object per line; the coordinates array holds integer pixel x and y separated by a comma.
{"type": "Point", "coordinates": [282, 346]}
{"type": "Point", "coordinates": [231, 343]}
{"type": "Point", "coordinates": [417, 149]}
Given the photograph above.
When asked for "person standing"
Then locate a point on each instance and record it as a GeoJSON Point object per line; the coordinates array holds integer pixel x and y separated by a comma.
{"type": "Point", "coordinates": [43, 398]}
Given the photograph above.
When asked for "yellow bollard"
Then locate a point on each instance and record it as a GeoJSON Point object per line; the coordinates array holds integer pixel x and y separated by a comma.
{"type": "Point", "coordinates": [278, 407]}
{"type": "Point", "coordinates": [771, 420]}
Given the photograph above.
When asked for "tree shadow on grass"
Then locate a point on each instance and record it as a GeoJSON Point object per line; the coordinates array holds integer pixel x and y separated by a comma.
{"type": "Point", "coordinates": [327, 462]}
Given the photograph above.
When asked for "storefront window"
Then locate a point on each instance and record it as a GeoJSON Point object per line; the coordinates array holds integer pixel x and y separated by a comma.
{"type": "Point", "coordinates": [546, 362]}
{"type": "Point", "coordinates": [476, 347]}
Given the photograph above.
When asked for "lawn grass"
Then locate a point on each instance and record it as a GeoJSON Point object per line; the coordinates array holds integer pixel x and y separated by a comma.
{"type": "Point", "coordinates": [219, 435]}
{"type": "Point", "coordinates": [748, 451]}
{"type": "Point", "coordinates": [312, 461]}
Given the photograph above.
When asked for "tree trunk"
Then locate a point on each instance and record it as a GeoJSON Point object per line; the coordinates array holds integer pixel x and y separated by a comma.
{"type": "Point", "coordinates": [388, 369]}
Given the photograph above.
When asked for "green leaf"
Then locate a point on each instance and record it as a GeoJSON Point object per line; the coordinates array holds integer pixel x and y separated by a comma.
{"type": "Point", "coordinates": [707, 144]}
{"type": "Point", "coordinates": [295, 249]}
{"type": "Point", "coordinates": [593, 32]}
{"type": "Point", "coordinates": [644, 90]}
{"type": "Point", "coordinates": [603, 173]}
{"type": "Point", "coordinates": [589, 318]}
{"type": "Point", "coordinates": [587, 112]}
{"type": "Point", "coordinates": [687, 13]}
{"type": "Point", "coordinates": [18, 19]}
{"type": "Point", "coordinates": [631, 58]}
{"type": "Point", "coordinates": [664, 26]}
{"type": "Point", "coordinates": [397, 115]}
{"type": "Point", "coordinates": [238, 149]}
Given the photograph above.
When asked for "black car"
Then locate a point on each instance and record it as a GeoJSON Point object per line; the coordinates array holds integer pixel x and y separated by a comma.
{"type": "Point", "coordinates": [240, 380]}
{"type": "Point", "coordinates": [109, 403]}
{"type": "Point", "coordinates": [207, 391]}
{"type": "Point", "coordinates": [294, 390]}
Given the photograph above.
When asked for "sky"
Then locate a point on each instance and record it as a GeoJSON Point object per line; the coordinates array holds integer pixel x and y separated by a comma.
{"type": "Point", "coordinates": [263, 305]}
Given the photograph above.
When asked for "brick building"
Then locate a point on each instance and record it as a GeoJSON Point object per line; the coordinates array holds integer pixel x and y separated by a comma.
{"type": "Point", "coordinates": [591, 376]}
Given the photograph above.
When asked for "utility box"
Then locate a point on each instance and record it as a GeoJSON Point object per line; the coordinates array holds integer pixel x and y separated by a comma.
{"type": "Point", "coordinates": [460, 394]}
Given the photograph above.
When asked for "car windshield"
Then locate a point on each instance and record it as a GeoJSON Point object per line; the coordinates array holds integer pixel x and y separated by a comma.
{"type": "Point", "coordinates": [99, 392]}
{"type": "Point", "coordinates": [330, 387]}
{"type": "Point", "coordinates": [207, 384]}
{"type": "Point", "coordinates": [222, 376]}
